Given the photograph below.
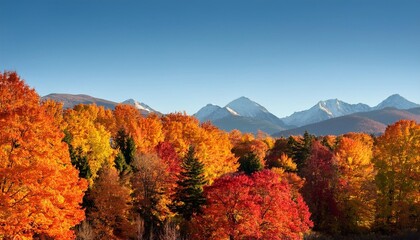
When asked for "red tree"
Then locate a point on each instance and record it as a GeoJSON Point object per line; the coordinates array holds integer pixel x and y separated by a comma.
{"type": "Point", "coordinates": [318, 189]}
{"type": "Point", "coordinates": [260, 206]}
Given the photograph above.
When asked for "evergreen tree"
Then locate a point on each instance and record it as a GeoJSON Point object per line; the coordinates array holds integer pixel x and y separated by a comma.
{"type": "Point", "coordinates": [188, 197]}
{"type": "Point", "coordinates": [127, 147]}
{"type": "Point", "coordinates": [300, 150]}
{"type": "Point", "coordinates": [250, 163]}
{"type": "Point", "coordinates": [78, 159]}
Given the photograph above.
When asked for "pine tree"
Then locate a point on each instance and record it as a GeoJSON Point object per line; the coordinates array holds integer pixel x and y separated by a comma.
{"type": "Point", "coordinates": [188, 197]}
{"type": "Point", "coordinates": [300, 149]}
{"type": "Point", "coordinates": [127, 151]}
{"type": "Point", "coordinates": [250, 163]}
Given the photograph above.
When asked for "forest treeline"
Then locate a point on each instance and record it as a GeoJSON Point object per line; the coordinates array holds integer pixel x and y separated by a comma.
{"type": "Point", "coordinates": [95, 173]}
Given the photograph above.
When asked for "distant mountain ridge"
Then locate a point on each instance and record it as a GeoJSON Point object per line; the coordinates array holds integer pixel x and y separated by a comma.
{"type": "Point", "coordinates": [372, 122]}
{"type": "Point", "coordinates": [324, 110]}
{"type": "Point", "coordinates": [71, 100]}
{"type": "Point", "coordinates": [333, 108]}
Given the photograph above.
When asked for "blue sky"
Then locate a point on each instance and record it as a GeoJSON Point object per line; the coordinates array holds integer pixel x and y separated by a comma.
{"type": "Point", "coordinates": [181, 55]}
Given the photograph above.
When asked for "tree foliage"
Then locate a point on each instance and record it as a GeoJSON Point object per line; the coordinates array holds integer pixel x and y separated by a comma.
{"type": "Point", "coordinates": [150, 191]}
{"type": "Point", "coordinates": [260, 206]}
{"type": "Point", "coordinates": [355, 192]}
{"type": "Point", "coordinates": [111, 212]}
{"type": "Point", "coordinates": [212, 146]}
{"type": "Point", "coordinates": [89, 137]}
{"type": "Point", "coordinates": [189, 196]}
{"type": "Point", "coordinates": [319, 187]}
{"type": "Point", "coordinates": [40, 192]}
{"type": "Point", "coordinates": [250, 163]}
{"type": "Point", "coordinates": [397, 160]}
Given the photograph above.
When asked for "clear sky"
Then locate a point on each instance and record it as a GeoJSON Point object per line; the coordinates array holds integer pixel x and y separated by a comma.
{"type": "Point", "coordinates": [180, 55]}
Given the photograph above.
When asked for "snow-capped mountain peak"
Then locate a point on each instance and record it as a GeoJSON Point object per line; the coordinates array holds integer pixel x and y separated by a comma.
{"type": "Point", "coordinates": [244, 106]}
{"type": "Point", "coordinates": [242, 111]}
{"type": "Point", "coordinates": [396, 101]}
{"type": "Point", "coordinates": [204, 113]}
{"type": "Point", "coordinates": [139, 105]}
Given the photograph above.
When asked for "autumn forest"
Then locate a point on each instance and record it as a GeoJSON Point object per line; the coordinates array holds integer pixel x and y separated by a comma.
{"type": "Point", "coordinates": [94, 173]}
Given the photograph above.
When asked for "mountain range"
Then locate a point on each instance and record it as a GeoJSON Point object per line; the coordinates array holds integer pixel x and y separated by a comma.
{"type": "Point", "coordinates": [333, 108]}
{"type": "Point", "coordinates": [327, 117]}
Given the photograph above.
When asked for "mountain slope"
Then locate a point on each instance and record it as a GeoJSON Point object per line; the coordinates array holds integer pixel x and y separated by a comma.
{"type": "Point", "coordinates": [338, 126]}
{"type": "Point", "coordinates": [246, 124]}
{"type": "Point", "coordinates": [70, 100]}
{"type": "Point", "coordinates": [389, 116]}
{"type": "Point", "coordinates": [372, 122]}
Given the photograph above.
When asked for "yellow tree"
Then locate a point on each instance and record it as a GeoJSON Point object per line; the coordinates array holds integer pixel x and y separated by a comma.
{"type": "Point", "coordinates": [40, 192]}
{"type": "Point", "coordinates": [397, 160]}
{"type": "Point", "coordinates": [355, 192]}
{"type": "Point", "coordinates": [89, 137]}
{"type": "Point", "coordinates": [214, 151]}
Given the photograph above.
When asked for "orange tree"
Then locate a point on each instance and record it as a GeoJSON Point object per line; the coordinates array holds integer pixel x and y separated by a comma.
{"type": "Point", "coordinates": [355, 193]}
{"type": "Point", "coordinates": [40, 192]}
{"type": "Point", "coordinates": [110, 215]}
{"type": "Point", "coordinates": [212, 146]}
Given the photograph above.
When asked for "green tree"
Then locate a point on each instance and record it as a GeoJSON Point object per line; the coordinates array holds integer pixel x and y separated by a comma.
{"type": "Point", "coordinates": [250, 163]}
{"type": "Point", "coordinates": [188, 197]}
{"type": "Point", "coordinates": [127, 151]}
{"type": "Point", "coordinates": [126, 145]}
{"type": "Point", "coordinates": [78, 159]}
{"type": "Point", "coordinates": [300, 149]}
